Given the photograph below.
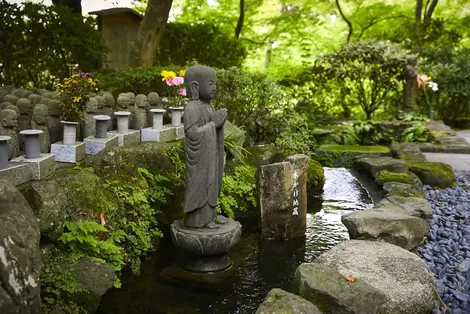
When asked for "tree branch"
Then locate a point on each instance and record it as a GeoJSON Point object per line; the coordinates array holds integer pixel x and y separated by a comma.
{"type": "Point", "coordinates": [418, 11]}
{"type": "Point", "coordinates": [350, 26]}
{"type": "Point", "coordinates": [241, 19]}
{"type": "Point", "coordinates": [363, 29]}
{"type": "Point", "coordinates": [430, 11]}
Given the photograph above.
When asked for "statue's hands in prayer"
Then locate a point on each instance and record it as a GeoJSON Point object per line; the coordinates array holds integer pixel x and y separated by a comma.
{"type": "Point", "coordinates": [219, 117]}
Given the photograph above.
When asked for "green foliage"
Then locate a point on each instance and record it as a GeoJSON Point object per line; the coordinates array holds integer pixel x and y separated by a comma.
{"type": "Point", "coordinates": [361, 133]}
{"type": "Point", "coordinates": [220, 50]}
{"type": "Point", "coordinates": [315, 174]}
{"type": "Point", "coordinates": [450, 69]}
{"type": "Point", "coordinates": [297, 138]}
{"type": "Point", "coordinates": [415, 133]}
{"type": "Point", "coordinates": [88, 238]}
{"type": "Point", "coordinates": [59, 284]}
{"type": "Point", "coordinates": [412, 116]}
{"type": "Point", "coordinates": [134, 225]}
{"type": "Point", "coordinates": [39, 40]}
{"type": "Point", "coordinates": [175, 153]}
{"type": "Point", "coordinates": [238, 191]}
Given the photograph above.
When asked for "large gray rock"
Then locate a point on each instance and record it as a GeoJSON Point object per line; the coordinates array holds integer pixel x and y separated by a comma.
{"type": "Point", "coordinates": [279, 301]}
{"type": "Point", "coordinates": [403, 189]}
{"type": "Point", "coordinates": [387, 223]}
{"type": "Point", "coordinates": [97, 278]}
{"type": "Point", "coordinates": [331, 292]}
{"type": "Point", "coordinates": [372, 166]}
{"type": "Point", "coordinates": [436, 174]}
{"type": "Point", "coordinates": [401, 275]}
{"type": "Point", "coordinates": [20, 259]}
{"type": "Point", "coordinates": [50, 205]}
{"type": "Point", "coordinates": [415, 206]}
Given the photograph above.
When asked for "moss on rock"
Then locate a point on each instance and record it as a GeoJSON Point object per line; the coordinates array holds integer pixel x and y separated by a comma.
{"type": "Point", "coordinates": [345, 155]}
{"type": "Point", "coordinates": [385, 176]}
{"type": "Point", "coordinates": [403, 189]}
{"type": "Point", "coordinates": [315, 174]}
{"type": "Point", "coordinates": [436, 174]}
{"type": "Point", "coordinates": [355, 148]}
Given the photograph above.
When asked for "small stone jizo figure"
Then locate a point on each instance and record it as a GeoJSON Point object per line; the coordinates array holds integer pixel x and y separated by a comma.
{"type": "Point", "coordinates": [88, 123]}
{"type": "Point", "coordinates": [153, 103]}
{"type": "Point", "coordinates": [39, 122]}
{"type": "Point", "coordinates": [9, 122]}
{"type": "Point", "coordinates": [204, 148]}
{"type": "Point", "coordinates": [411, 85]}
{"type": "Point", "coordinates": [140, 111]}
{"type": "Point", "coordinates": [53, 123]}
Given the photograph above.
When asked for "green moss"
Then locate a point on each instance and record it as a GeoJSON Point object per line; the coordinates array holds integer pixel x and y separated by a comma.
{"type": "Point", "coordinates": [436, 174]}
{"type": "Point", "coordinates": [354, 148]}
{"type": "Point", "coordinates": [315, 174]}
{"type": "Point", "coordinates": [385, 176]}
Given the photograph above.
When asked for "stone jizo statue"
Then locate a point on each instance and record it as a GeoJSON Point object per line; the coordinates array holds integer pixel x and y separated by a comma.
{"type": "Point", "coordinates": [9, 122]}
{"type": "Point", "coordinates": [411, 85]}
{"type": "Point", "coordinates": [35, 99]}
{"type": "Point", "coordinates": [88, 125]}
{"type": "Point", "coordinates": [26, 111]}
{"type": "Point", "coordinates": [39, 122]}
{"type": "Point", "coordinates": [140, 111]}
{"type": "Point", "coordinates": [53, 123]}
{"type": "Point", "coordinates": [153, 103]}
{"type": "Point", "coordinates": [108, 108]}
{"type": "Point", "coordinates": [204, 148]}
{"type": "Point", "coordinates": [10, 98]}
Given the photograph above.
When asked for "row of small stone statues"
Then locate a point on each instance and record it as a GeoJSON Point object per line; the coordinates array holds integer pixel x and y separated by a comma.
{"type": "Point", "coordinates": [39, 109]}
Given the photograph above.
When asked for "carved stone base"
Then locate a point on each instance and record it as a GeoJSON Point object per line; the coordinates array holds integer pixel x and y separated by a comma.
{"type": "Point", "coordinates": [16, 173]}
{"type": "Point", "coordinates": [130, 138]}
{"type": "Point", "coordinates": [94, 145]}
{"type": "Point", "coordinates": [206, 247]}
{"type": "Point", "coordinates": [166, 134]}
{"type": "Point", "coordinates": [179, 132]}
{"type": "Point", "coordinates": [39, 167]}
{"type": "Point", "coordinates": [68, 153]}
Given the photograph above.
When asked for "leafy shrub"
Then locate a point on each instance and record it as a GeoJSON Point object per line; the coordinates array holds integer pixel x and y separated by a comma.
{"type": "Point", "coordinates": [297, 138]}
{"type": "Point", "coordinates": [238, 191]}
{"type": "Point", "coordinates": [221, 50]}
{"type": "Point", "coordinates": [450, 69]}
{"type": "Point", "coordinates": [361, 133]}
{"type": "Point", "coordinates": [38, 40]}
{"type": "Point", "coordinates": [416, 133]}
{"type": "Point", "coordinates": [315, 174]}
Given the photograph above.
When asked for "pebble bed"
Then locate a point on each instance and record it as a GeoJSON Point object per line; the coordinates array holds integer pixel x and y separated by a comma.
{"type": "Point", "coordinates": [447, 251]}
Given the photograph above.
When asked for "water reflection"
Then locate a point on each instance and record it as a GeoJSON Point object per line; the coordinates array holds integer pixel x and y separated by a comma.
{"type": "Point", "coordinates": [258, 267]}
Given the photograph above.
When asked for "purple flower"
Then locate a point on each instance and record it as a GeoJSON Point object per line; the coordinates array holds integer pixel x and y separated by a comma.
{"type": "Point", "coordinates": [178, 80]}
{"type": "Point", "coordinates": [182, 92]}
{"type": "Point", "coordinates": [86, 75]}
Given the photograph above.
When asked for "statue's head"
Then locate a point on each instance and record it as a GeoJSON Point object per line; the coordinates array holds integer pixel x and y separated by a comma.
{"type": "Point", "coordinates": [200, 82]}
{"type": "Point", "coordinates": [131, 96]}
{"type": "Point", "coordinates": [42, 91]}
{"type": "Point", "coordinates": [153, 99]}
{"type": "Point", "coordinates": [141, 101]}
{"type": "Point", "coordinates": [101, 102]}
{"type": "Point", "coordinates": [123, 102]}
{"type": "Point", "coordinates": [9, 118]}
{"type": "Point", "coordinates": [91, 105]}
{"type": "Point", "coordinates": [40, 114]}
{"type": "Point", "coordinates": [412, 60]}
{"type": "Point", "coordinates": [10, 98]}
{"type": "Point", "coordinates": [44, 100]}
{"type": "Point", "coordinates": [108, 97]}
{"type": "Point", "coordinates": [26, 93]}
{"type": "Point", "coordinates": [54, 107]}
{"type": "Point", "coordinates": [48, 94]}
{"type": "Point", "coordinates": [4, 105]}
{"type": "Point", "coordinates": [18, 92]}
{"type": "Point", "coordinates": [35, 99]}
{"type": "Point", "coordinates": [25, 106]}
{"type": "Point", "coordinates": [14, 108]}
{"type": "Point", "coordinates": [55, 95]}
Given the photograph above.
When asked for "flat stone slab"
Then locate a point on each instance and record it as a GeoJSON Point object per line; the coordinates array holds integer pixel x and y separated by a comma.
{"type": "Point", "coordinates": [179, 132]}
{"type": "Point", "coordinates": [68, 153]}
{"type": "Point", "coordinates": [456, 161]}
{"type": "Point", "coordinates": [16, 174]}
{"type": "Point", "coordinates": [125, 139]}
{"type": "Point", "coordinates": [95, 145]}
{"type": "Point", "coordinates": [279, 301]}
{"type": "Point", "coordinates": [166, 134]}
{"type": "Point", "coordinates": [39, 167]}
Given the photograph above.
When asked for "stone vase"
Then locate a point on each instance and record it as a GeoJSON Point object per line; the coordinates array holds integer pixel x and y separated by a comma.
{"type": "Point", "coordinates": [70, 132]}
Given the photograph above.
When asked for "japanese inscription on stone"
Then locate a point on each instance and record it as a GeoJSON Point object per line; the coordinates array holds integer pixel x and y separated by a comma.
{"type": "Point", "coordinates": [295, 198]}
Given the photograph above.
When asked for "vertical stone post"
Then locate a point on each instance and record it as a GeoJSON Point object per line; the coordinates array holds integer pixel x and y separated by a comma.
{"type": "Point", "coordinates": [122, 121]}
{"type": "Point", "coordinates": [282, 197]}
{"type": "Point", "coordinates": [157, 119]}
{"type": "Point", "coordinates": [4, 152]}
{"type": "Point", "coordinates": [31, 143]}
{"type": "Point", "coordinates": [176, 113]}
{"type": "Point", "coordinates": [101, 126]}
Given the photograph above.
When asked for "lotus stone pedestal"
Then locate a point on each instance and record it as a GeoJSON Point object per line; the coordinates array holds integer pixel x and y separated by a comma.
{"type": "Point", "coordinates": [206, 248]}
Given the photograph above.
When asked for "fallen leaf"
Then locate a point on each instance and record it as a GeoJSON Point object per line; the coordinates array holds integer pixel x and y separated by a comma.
{"type": "Point", "coordinates": [102, 221]}
{"type": "Point", "coordinates": [350, 278]}
{"type": "Point", "coordinates": [459, 217]}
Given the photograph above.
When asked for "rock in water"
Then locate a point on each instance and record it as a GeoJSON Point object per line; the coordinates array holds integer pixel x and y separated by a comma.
{"type": "Point", "coordinates": [20, 258]}
{"type": "Point", "coordinates": [401, 276]}
{"type": "Point", "coordinates": [279, 301]}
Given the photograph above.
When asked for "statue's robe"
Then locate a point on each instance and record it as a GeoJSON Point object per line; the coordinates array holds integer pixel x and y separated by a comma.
{"type": "Point", "coordinates": [204, 148]}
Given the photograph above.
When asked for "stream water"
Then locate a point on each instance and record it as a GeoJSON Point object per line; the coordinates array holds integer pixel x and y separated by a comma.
{"type": "Point", "coordinates": [258, 266]}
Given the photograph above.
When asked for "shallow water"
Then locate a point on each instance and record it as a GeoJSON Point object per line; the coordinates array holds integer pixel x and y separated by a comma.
{"type": "Point", "coordinates": [258, 266]}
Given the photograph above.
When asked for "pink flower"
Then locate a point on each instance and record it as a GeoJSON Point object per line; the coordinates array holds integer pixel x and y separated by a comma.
{"type": "Point", "coordinates": [169, 81]}
{"type": "Point", "coordinates": [178, 80]}
{"type": "Point", "coordinates": [422, 80]}
{"type": "Point", "coordinates": [182, 92]}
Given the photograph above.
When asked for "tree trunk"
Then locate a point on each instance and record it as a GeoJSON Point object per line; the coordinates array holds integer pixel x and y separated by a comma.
{"type": "Point", "coordinates": [150, 32]}
{"type": "Point", "coordinates": [350, 26]}
{"type": "Point", "coordinates": [241, 19]}
{"type": "Point", "coordinates": [74, 5]}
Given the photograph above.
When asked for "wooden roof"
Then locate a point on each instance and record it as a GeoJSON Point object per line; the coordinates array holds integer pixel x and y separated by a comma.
{"type": "Point", "coordinates": [113, 11]}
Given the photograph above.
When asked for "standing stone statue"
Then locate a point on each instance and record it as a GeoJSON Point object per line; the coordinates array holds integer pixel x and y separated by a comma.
{"type": "Point", "coordinates": [101, 103]}
{"type": "Point", "coordinates": [131, 97]}
{"type": "Point", "coordinates": [153, 102]}
{"type": "Point", "coordinates": [88, 123]}
{"type": "Point", "coordinates": [10, 124]}
{"type": "Point", "coordinates": [39, 122]}
{"type": "Point", "coordinates": [53, 123]}
{"type": "Point", "coordinates": [204, 147]}
{"type": "Point", "coordinates": [26, 111]}
{"type": "Point", "coordinates": [109, 108]}
{"type": "Point", "coordinates": [123, 103]}
{"type": "Point", "coordinates": [411, 85]}
{"type": "Point", "coordinates": [140, 111]}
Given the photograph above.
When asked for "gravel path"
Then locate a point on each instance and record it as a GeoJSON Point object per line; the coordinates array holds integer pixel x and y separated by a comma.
{"type": "Point", "coordinates": [447, 252]}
